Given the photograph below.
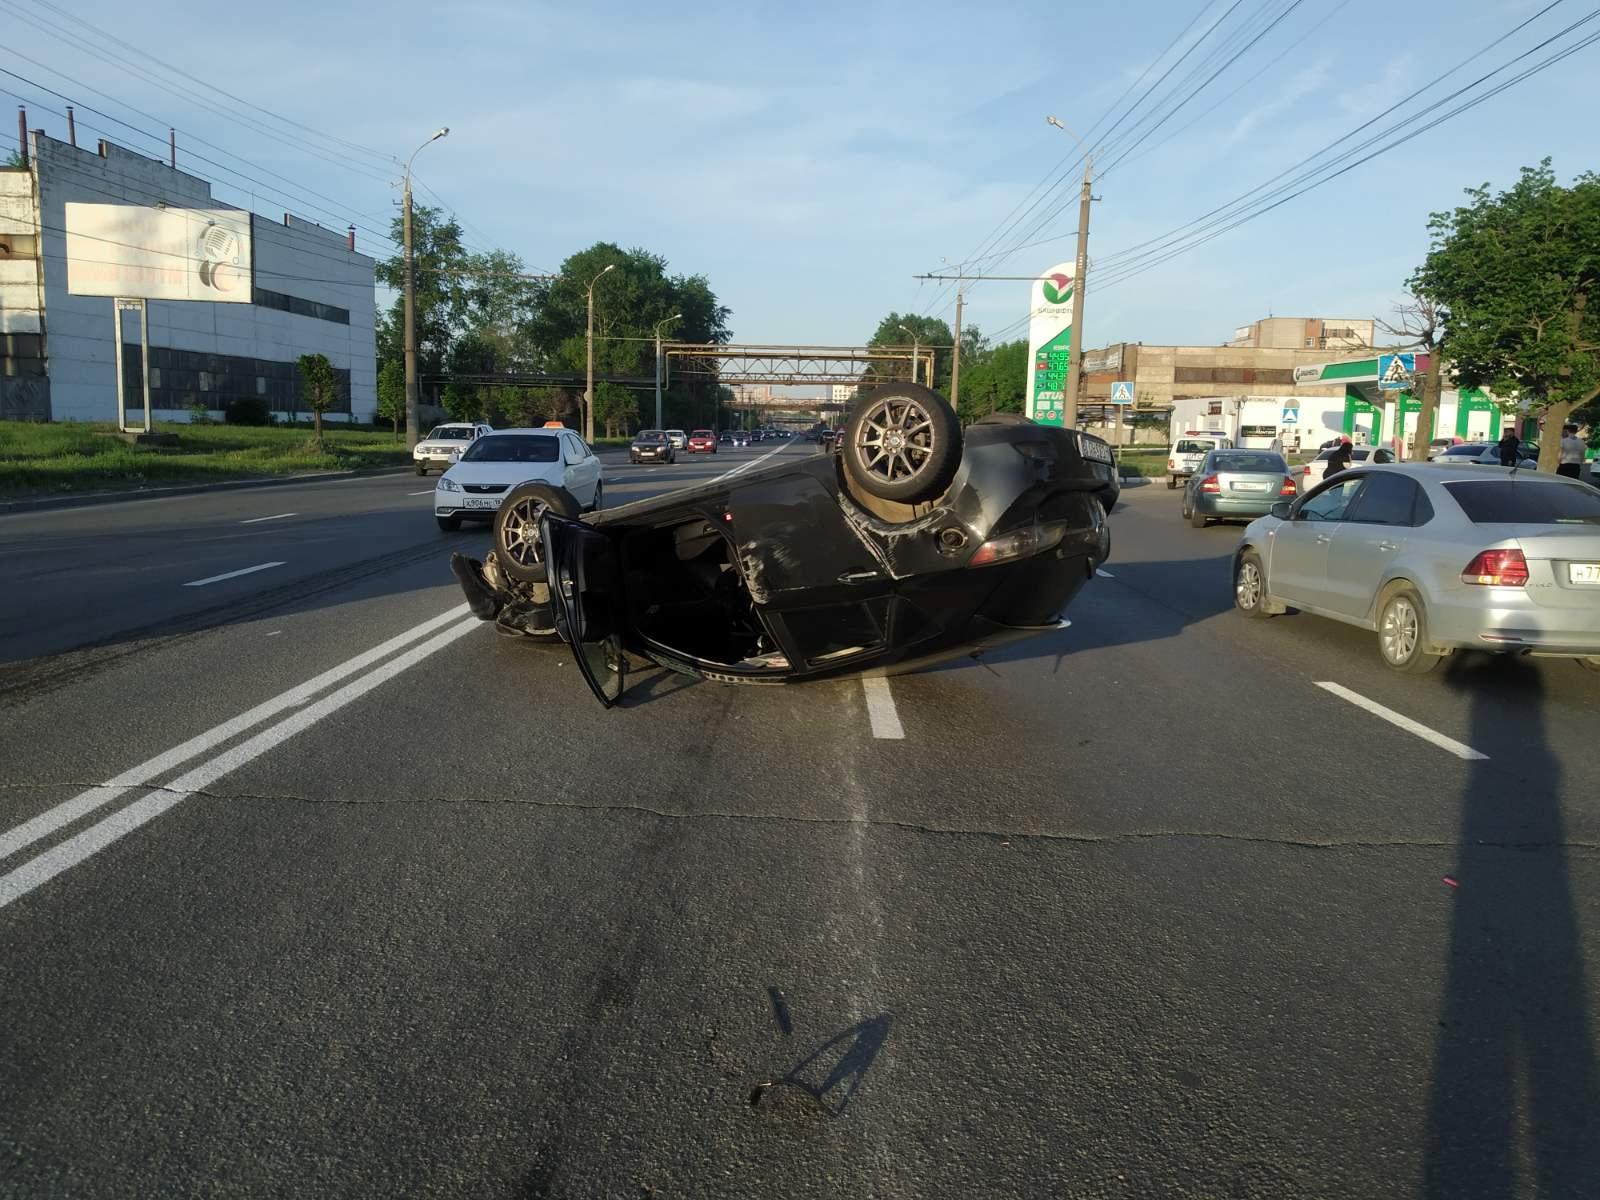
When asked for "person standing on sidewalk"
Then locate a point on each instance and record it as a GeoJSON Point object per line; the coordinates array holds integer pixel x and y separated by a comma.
{"type": "Point", "coordinates": [1572, 449]}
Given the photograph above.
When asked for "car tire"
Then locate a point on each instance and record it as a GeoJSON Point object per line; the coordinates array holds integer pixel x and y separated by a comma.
{"type": "Point", "coordinates": [449, 524]}
{"type": "Point", "coordinates": [1198, 519]}
{"type": "Point", "coordinates": [421, 470]}
{"type": "Point", "coordinates": [599, 495]}
{"type": "Point", "coordinates": [1172, 482]}
{"type": "Point", "coordinates": [902, 443]}
{"type": "Point", "coordinates": [516, 528]}
{"type": "Point", "coordinates": [1403, 633]}
{"type": "Point", "coordinates": [1250, 586]}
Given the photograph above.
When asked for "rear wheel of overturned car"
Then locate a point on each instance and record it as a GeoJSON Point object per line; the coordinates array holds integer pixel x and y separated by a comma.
{"type": "Point", "coordinates": [517, 543]}
{"type": "Point", "coordinates": [1250, 586]}
{"type": "Point", "coordinates": [903, 442]}
{"type": "Point", "coordinates": [1403, 633]}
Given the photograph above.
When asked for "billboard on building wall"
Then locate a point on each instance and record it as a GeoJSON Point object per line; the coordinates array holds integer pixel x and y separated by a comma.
{"type": "Point", "coordinates": [154, 253]}
{"type": "Point", "coordinates": [1050, 343]}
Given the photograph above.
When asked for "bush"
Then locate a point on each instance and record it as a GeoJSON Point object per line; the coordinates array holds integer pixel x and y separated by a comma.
{"type": "Point", "coordinates": [248, 410]}
{"type": "Point", "coordinates": [199, 414]}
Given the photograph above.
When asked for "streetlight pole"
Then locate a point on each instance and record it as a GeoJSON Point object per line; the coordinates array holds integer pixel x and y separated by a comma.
{"type": "Point", "coordinates": [659, 324]}
{"type": "Point", "coordinates": [588, 391]}
{"type": "Point", "coordinates": [916, 354]}
{"type": "Point", "coordinates": [1075, 347]}
{"type": "Point", "coordinates": [412, 432]}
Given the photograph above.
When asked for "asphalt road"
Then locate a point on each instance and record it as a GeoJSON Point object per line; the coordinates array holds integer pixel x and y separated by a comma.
{"type": "Point", "coordinates": [311, 886]}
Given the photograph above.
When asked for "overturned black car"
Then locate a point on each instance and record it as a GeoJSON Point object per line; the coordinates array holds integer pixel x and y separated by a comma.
{"type": "Point", "coordinates": [909, 544]}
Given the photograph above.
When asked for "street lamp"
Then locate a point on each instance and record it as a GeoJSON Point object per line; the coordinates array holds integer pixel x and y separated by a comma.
{"type": "Point", "coordinates": [916, 347]}
{"type": "Point", "coordinates": [588, 391]}
{"type": "Point", "coordinates": [411, 300]}
{"type": "Point", "coordinates": [659, 324]}
{"type": "Point", "coordinates": [1075, 345]}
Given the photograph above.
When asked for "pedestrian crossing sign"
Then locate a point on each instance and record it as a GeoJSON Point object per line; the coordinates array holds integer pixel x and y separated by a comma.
{"type": "Point", "coordinates": [1395, 371]}
{"type": "Point", "coordinates": [1122, 392]}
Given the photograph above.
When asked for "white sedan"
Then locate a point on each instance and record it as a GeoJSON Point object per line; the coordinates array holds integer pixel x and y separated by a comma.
{"type": "Point", "coordinates": [472, 489]}
{"type": "Point", "coordinates": [1310, 474]}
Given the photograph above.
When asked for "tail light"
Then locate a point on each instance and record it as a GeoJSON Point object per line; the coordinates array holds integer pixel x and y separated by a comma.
{"type": "Point", "coordinates": [1019, 544]}
{"type": "Point", "coordinates": [1289, 488]}
{"type": "Point", "coordinates": [1497, 568]}
{"type": "Point", "coordinates": [1172, 464]}
{"type": "Point", "coordinates": [1210, 484]}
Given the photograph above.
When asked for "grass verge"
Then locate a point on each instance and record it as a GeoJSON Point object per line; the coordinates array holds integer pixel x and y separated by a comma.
{"type": "Point", "coordinates": [71, 458]}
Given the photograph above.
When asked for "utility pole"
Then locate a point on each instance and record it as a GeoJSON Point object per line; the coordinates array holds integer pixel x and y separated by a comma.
{"type": "Point", "coordinates": [1079, 274]}
{"type": "Point", "coordinates": [588, 391]}
{"type": "Point", "coordinates": [955, 356]}
{"type": "Point", "coordinates": [659, 324]}
{"type": "Point", "coordinates": [412, 432]}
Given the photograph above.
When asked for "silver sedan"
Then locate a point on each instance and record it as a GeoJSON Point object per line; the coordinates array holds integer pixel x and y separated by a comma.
{"type": "Point", "coordinates": [1435, 558]}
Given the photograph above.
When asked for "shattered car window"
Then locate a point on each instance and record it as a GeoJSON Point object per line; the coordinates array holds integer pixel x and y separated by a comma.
{"type": "Point", "coordinates": [513, 448]}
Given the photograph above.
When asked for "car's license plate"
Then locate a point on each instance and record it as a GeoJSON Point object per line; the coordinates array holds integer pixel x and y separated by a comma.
{"type": "Point", "coordinates": [481, 502]}
{"type": "Point", "coordinates": [1249, 487]}
{"type": "Point", "coordinates": [1093, 448]}
{"type": "Point", "coordinates": [1583, 572]}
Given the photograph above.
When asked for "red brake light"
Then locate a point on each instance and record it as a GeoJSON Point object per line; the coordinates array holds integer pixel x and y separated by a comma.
{"type": "Point", "coordinates": [1497, 568]}
{"type": "Point", "coordinates": [1210, 484]}
{"type": "Point", "coordinates": [1288, 488]}
{"type": "Point", "coordinates": [1172, 464]}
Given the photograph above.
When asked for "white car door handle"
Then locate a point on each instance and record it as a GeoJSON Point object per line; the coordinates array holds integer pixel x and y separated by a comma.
{"type": "Point", "coordinates": [1388, 546]}
{"type": "Point", "coordinates": [1323, 539]}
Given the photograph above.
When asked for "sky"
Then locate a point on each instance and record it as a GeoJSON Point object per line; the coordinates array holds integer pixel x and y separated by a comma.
{"type": "Point", "coordinates": [810, 159]}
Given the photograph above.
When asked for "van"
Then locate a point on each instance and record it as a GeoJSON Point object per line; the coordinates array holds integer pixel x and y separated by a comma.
{"type": "Point", "coordinates": [1189, 450]}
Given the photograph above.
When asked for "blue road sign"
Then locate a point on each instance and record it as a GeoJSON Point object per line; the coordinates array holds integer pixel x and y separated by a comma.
{"type": "Point", "coordinates": [1395, 371]}
{"type": "Point", "coordinates": [1122, 392]}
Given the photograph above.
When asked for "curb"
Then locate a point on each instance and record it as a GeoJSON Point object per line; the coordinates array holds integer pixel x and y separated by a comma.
{"type": "Point", "coordinates": [88, 499]}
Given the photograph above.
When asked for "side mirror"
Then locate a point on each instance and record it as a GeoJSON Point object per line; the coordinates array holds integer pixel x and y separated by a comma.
{"type": "Point", "coordinates": [1283, 509]}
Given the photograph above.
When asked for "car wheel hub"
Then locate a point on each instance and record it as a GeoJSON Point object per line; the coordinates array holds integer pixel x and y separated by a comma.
{"type": "Point", "coordinates": [1399, 633]}
{"type": "Point", "coordinates": [521, 532]}
{"type": "Point", "coordinates": [895, 440]}
{"type": "Point", "coordinates": [1247, 589]}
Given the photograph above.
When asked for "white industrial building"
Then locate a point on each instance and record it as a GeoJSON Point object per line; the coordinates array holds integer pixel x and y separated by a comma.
{"type": "Point", "coordinates": [310, 292]}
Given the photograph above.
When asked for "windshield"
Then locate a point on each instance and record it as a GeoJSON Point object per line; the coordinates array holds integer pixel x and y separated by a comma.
{"type": "Point", "coordinates": [702, 433]}
{"type": "Point", "coordinates": [1264, 463]}
{"type": "Point", "coordinates": [451, 433]}
{"type": "Point", "coordinates": [514, 448]}
{"type": "Point", "coordinates": [651, 435]}
{"type": "Point", "coordinates": [1189, 446]}
{"type": "Point", "coordinates": [1526, 502]}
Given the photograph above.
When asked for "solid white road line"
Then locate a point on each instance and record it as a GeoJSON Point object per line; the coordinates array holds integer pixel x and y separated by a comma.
{"type": "Point", "coordinates": [1459, 749]}
{"type": "Point", "coordinates": [274, 517]}
{"type": "Point", "coordinates": [232, 574]}
{"type": "Point", "coordinates": [1104, 574]}
{"type": "Point", "coordinates": [880, 709]}
{"type": "Point", "coordinates": [423, 492]}
{"type": "Point", "coordinates": [84, 803]}
{"type": "Point", "coordinates": [754, 462]}
{"type": "Point", "coordinates": [97, 837]}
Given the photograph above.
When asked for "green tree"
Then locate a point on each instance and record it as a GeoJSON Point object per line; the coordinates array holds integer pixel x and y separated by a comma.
{"type": "Point", "coordinates": [930, 332]}
{"type": "Point", "coordinates": [994, 380]}
{"type": "Point", "coordinates": [392, 393]}
{"type": "Point", "coordinates": [444, 298]}
{"type": "Point", "coordinates": [1514, 276]}
{"type": "Point", "coordinates": [319, 387]}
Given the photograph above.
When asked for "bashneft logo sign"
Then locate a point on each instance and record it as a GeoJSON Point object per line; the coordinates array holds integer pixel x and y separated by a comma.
{"type": "Point", "coordinates": [1057, 289]}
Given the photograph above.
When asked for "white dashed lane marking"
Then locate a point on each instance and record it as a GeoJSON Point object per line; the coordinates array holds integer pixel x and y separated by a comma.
{"type": "Point", "coordinates": [274, 517]}
{"type": "Point", "coordinates": [880, 709]}
{"type": "Point", "coordinates": [210, 579]}
{"type": "Point", "coordinates": [1401, 721]}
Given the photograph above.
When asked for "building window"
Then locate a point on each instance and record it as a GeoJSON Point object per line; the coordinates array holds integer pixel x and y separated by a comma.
{"type": "Point", "coordinates": [261, 385]}
{"type": "Point", "coordinates": [205, 381]}
{"type": "Point", "coordinates": [1214, 409]}
{"type": "Point", "coordinates": [299, 305]}
{"type": "Point", "coordinates": [1310, 342]}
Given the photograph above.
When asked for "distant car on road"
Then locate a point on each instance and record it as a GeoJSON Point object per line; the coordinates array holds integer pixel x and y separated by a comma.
{"type": "Point", "coordinates": [1236, 484]}
{"type": "Point", "coordinates": [725, 438]}
{"type": "Point", "coordinates": [652, 445]}
{"type": "Point", "coordinates": [1433, 559]}
{"type": "Point", "coordinates": [702, 441]}
{"type": "Point", "coordinates": [472, 489]}
{"type": "Point", "coordinates": [1527, 457]}
{"type": "Point", "coordinates": [1441, 445]}
{"type": "Point", "coordinates": [1458, 453]}
{"type": "Point", "coordinates": [678, 438]}
{"type": "Point", "coordinates": [444, 444]}
{"type": "Point", "coordinates": [1311, 473]}
{"type": "Point", "coordinates": [1189, 451]}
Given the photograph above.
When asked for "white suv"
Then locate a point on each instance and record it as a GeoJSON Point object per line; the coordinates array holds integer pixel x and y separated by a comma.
{"type": "Point", "coordinates": [445, 443]}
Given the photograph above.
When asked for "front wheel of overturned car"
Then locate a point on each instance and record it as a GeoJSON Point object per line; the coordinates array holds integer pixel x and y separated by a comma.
{"type": "Point", "coordinates": [1403, 633]}
{"type": "Point", "coordinates": [517, 542]}
{"type": "Point", "coordinates": [903, 442]}
{"type": "Point", "coordinates": [449, 524]}
{"type": "Point", "coordinates": [1250, 586]}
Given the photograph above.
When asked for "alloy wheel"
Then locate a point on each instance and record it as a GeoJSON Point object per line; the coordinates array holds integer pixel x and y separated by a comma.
{"type": "Point", "coordinates": [895, 440]}
{"type": "Point", "coordinates": [1247, 586]}
{"type": "Point", "coordinates": [520, 532]}
{"type": "Point", "coordinates": [1397, 633]}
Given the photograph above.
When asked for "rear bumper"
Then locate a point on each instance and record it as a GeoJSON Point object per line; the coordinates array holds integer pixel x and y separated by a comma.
{"type": "Point", "coordinates": [1510, 622]}
{"type": "Point", "coordinates": [1228, 506]}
